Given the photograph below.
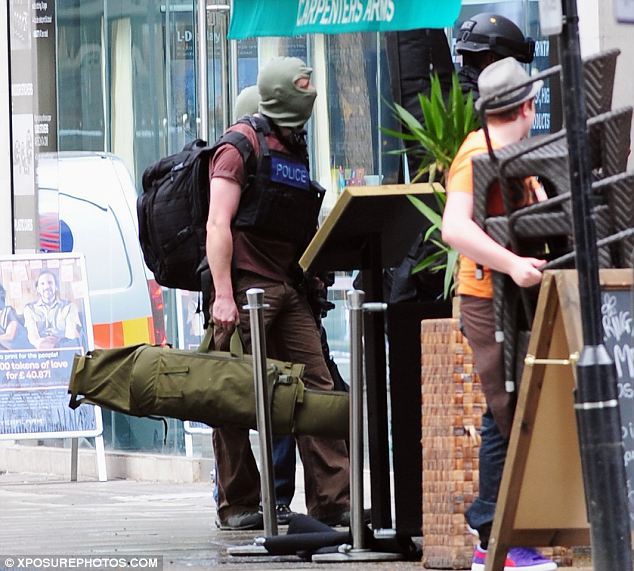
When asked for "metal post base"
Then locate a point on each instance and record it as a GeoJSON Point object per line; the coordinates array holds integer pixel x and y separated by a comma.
{"type": "Point", "coordinates": [248, 550]}
{"type": "Point", "coordinates": [348, 555]}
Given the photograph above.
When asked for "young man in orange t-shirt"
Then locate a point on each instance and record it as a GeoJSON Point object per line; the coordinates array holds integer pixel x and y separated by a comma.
{"type": "Point", "coordinates": [509, 120]}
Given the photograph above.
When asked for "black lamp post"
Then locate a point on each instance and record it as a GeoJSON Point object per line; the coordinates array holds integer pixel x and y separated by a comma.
{"type": "Point", "coordinates": [596, 397]}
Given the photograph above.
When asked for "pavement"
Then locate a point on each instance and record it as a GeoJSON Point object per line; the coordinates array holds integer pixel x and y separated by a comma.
{"type": "Point", "coordinates": [51, 517]}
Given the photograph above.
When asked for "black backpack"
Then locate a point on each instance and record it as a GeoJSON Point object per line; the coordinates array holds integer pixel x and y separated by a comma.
{"type": "Point", "coordinates": [173, 210]}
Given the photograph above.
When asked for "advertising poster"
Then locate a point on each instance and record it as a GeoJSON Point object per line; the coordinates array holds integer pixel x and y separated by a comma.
{"type": "Point", "coordinates": [44, 322]}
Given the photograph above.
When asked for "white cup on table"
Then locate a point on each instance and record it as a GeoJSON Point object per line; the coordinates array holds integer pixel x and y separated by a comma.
{"type": "Point", "coordinates": [373, 179]}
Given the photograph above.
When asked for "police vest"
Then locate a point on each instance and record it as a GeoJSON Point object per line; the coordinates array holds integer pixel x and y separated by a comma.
{"type": "Point", "coordinates": [280, 201]}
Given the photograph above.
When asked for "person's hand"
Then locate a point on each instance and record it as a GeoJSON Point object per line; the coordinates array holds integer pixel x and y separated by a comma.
{"type": "Point", "coordinates": [224, 312]}
{"type": "Point", "coordinates": [525, 271]}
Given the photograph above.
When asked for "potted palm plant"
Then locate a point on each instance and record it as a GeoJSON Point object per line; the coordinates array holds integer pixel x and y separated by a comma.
{"type": "Point", "coordinates": [445, 125]}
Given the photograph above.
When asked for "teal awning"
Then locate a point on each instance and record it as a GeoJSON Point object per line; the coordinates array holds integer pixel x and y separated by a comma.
{"type": "Point", "coordinates": [296, 17]}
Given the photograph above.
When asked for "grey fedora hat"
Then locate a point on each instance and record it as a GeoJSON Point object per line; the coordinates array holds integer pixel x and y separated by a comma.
{"type": "Point", "coordinates": [497, 85]}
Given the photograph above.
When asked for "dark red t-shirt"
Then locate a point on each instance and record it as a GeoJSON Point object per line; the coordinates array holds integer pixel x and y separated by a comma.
{"type": "Point", "coordinates": [266, 257]}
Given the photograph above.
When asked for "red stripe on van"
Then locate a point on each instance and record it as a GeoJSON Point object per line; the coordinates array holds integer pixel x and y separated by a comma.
{"type": "Point", "coordinates": [108, 335]}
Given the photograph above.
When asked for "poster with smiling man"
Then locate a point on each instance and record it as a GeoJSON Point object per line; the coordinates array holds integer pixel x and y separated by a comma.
{"type": "Point", "coordinates": [44, 321]}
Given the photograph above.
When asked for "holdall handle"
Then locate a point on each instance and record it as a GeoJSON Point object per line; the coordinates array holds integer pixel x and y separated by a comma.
{"type": "Point", "coordinates": [205, 344]}
{"type": "Point", "coordinates": [236, 344]}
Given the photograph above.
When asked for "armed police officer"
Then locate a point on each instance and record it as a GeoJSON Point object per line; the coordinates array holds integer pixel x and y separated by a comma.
{"type": "Point", "coordinates": [486, 38]}
{"type": "Point", "coordinates": [259, 225]}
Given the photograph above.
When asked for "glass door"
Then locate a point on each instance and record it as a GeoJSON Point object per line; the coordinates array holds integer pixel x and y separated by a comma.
{"type": "Point", "coordinates": [220, 79]}
{"type": "Point", "coordinates": [196, 70]}
{"type": "Point", "coordinates": [180, 73]}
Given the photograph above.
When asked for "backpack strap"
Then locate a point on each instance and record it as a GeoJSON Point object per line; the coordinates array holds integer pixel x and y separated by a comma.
{"type": "Point", "coordinates": [242, 143]}
{"type": "Point", "coordinates": [239, 141]}
{"type": "Point", "coordinates": [258, 123]}
{"type": "Point", "coordinates": [262, 128]}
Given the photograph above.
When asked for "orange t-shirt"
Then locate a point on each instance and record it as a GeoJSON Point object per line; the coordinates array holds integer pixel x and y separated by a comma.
{"type": "Point", "coordinates": [460, 179]}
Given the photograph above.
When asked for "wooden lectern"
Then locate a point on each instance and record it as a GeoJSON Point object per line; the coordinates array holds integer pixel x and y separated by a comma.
{"type": "Point", "coordinates": [371, 228]}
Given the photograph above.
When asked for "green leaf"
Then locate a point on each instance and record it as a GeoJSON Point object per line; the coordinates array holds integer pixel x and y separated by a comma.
{"type": "Point", "coordinates": [426, 211]}
{"type": "Point", "coordinates": [433, 228]}
{"type": "Point", "coordinates": [440, 201]}
{"type": "Point", "coordinates": [408, 119]}
{"type": "Point", "coordinates": [399, 134]}
{"type": "Point", "coordinates": [429, 262]}
{"type": "Point", "coordinates": [428, 115]}
{"type": "Point", "coordinates": [452, 260]}
{"type": "Point", "coordinates": [457, 106]}
{"type": "Point", "coordinates": [395, 151]}
{"type": "Point", "coordinates": [438, 109]}
{"type": "Point", "coordinates": [441, 245]}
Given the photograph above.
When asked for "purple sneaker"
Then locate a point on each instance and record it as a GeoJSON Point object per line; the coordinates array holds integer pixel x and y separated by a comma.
{"type": "Point", "coordinates": [517, 559]}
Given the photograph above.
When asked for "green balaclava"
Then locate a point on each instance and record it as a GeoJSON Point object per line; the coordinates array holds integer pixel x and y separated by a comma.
{"type": "Point", "coordinates": [280, 99]}
{"type": "Point", "coordinates": [247, 102]}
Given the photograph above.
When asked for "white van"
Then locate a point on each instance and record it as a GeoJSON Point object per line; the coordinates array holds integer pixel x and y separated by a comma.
{"type": "Point", "coordinates": [96, 201]}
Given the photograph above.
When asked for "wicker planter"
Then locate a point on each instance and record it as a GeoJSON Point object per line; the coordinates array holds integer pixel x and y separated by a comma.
{"type": "Point", "coordinates": [452, 406]}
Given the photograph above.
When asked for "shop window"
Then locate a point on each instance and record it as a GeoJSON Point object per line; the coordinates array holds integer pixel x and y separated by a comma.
{"type": "Point", "coordinates": [80, 78]}
{"type": "Point", "coordinates": [358, 109]}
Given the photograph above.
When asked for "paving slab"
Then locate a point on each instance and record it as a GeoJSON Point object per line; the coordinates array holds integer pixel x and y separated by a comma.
{"type": "Point", "coordinates": [48, 516]}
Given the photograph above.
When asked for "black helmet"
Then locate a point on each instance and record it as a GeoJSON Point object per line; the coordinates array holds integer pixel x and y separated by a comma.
{"type": "Point", "coordinates": [495, 33]}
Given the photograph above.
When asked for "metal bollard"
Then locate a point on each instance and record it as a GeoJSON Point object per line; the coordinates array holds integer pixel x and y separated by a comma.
{"type": "Point", "coordinates": [255, 297]}
{"type": "Point", "coordinates": [358, 550]}
{"type": "Point", "coordinates": [355, 305]}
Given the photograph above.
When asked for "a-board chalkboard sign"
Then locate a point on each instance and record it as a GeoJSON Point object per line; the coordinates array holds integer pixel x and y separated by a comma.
{"type": "Point", "coordinates": [541, 501]}
{"type": "Point", "coordinates": [616, 307]}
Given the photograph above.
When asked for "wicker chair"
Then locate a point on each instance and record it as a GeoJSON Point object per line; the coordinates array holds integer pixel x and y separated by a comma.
{"type": "Point", "coordinates": [618, 191]}
{"type": "Point", "coordinates": [598, 81]}
{"type": "Point", "coordinates": [615, 230]}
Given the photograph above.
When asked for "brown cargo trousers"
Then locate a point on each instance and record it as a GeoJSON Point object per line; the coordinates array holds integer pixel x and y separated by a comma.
{"type": "Point", "coordinates": [291, 329]}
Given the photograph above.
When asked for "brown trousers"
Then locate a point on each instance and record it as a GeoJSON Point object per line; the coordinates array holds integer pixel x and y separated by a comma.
{"type": "Point", "coordinates": [291, 329]}
{"type": "Point", "coordinates": [478, 320]}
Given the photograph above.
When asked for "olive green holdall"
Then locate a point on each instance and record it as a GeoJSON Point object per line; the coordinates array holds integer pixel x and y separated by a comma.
{"type": "Point", "coordinates": [214, 387]}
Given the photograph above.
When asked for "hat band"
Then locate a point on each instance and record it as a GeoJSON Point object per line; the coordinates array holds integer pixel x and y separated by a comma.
{"type": "Point", "coordinates": [517, 98]}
